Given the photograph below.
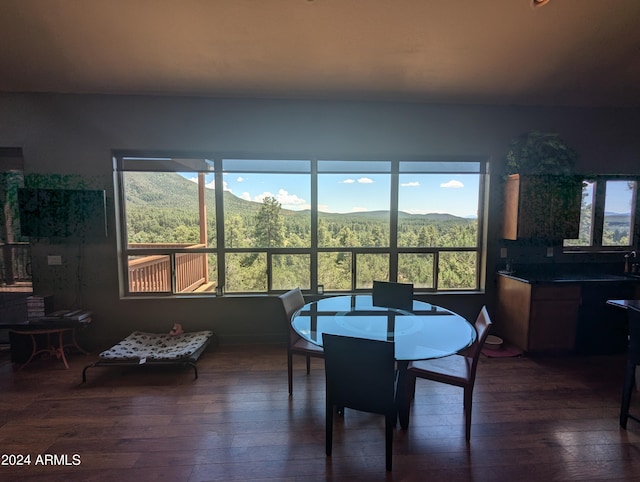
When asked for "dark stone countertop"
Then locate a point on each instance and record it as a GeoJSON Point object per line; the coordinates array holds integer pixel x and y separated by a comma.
{"type": "Point", "coordinates": [532, 277]}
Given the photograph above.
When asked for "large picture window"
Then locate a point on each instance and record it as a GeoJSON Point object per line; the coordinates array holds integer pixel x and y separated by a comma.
{"type": "Point", "coordinates": [199, 226]}
{"type": "Point", "coordinates": [608, 215]}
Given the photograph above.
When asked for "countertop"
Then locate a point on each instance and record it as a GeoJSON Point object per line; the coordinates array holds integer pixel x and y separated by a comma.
{"type": "Point", "coordinates": [532, 278]}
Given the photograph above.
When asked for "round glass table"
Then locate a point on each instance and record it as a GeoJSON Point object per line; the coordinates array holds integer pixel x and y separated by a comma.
{"type": "Point", "coordinates": [427, 331]}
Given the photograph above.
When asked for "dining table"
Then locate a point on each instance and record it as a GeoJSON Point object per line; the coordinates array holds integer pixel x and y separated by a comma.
{"type": "Point", "coordinates": [425, 332]}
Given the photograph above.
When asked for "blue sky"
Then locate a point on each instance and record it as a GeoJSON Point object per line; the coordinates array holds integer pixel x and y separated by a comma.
{"type": "Point", "coordinates": [343, 193]}
{"type": "Point", "coordinates": [619, 196]}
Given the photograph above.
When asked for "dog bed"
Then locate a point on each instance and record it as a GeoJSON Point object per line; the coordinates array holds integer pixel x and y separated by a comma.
{"type": "Point", "coordinates": [141, 348]}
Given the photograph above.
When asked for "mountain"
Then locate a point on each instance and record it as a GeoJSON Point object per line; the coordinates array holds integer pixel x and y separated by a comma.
{"type": "Point", "coordinates": [617, 218]}
{"type": "Point", "coordinates": [168, 190]}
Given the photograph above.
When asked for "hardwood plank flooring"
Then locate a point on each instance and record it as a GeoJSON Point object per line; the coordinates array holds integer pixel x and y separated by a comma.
{"type": "Point", "coordinates": [538, 418]}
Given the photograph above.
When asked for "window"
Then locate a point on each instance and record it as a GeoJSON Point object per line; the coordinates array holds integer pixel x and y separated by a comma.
{"type": "Point", "coordinates": [266, 225]}
{"type": "Point", "coordinates": [608, 218]}
{"type": "Point", "coordinates": [438, 224]}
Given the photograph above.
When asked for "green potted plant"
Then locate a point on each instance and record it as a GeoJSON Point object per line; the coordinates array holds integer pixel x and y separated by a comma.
{"type": "Point", "coordinates": [542, 191]}
{"type": "Point", "coordinates": [540, 153]}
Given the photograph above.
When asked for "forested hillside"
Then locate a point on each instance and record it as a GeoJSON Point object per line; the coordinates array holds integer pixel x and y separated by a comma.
{"type": "Point", "coordinates": [162, 207]}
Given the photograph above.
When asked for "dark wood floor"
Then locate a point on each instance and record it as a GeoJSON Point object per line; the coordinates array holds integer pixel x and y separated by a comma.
{"type": "Point", "coordinates": [534, 419]}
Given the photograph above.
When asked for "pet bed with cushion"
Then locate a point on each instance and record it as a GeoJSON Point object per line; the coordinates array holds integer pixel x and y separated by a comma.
{"type": "Point", "coordinates": [155, 349]}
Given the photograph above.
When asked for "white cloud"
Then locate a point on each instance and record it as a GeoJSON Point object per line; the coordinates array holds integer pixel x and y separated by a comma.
{"type": "Point", "coordinates": [246, 196]}
{"type": "Point", "coordinates": [358, 209]}
{"type": "Point", "coordinates": [285, 198]}
{"type": "Point", "coordinates": [347, 181]}
{"type": "Point", "coordinates": [452, 184]}
{"type": "Point", "coordinates": [241, 179]}
{"type": "Point", "coordinates": [410, 184]}
{"type": "Point", "coordinates": [365, 180]}
{"type": "Point", "coordinates": [209, 185]}
{"type": "Point", "coordinates": [291, 201]}
{"type": "Point", "coordinates": [260, 197]}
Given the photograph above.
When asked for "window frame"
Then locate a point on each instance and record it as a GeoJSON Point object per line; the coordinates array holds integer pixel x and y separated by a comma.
{"type": "Point", "coordinates": [598, 216]}
{"type": "Point", "coordinates": [215, 164]}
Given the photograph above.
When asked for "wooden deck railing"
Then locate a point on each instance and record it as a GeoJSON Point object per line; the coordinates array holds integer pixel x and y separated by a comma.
{"type": "Point", "coordinates": [15, 263]}
{"type": "Point", "coordinates": [153, 273]}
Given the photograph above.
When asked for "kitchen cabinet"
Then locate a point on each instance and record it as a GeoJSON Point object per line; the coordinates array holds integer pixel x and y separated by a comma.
{"type": "Point", "coordinates": [563, 313]}
{"type": "Point", "coordinates": [545, 207]}
{"type": "Point", "coordinates": [537, 317]}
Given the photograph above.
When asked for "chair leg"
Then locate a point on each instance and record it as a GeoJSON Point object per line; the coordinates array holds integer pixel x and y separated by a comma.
{"type": "Point", "coordinates": [411, 383]}
{"type": "Point", "coordinates": [390, 423]}
{"type": "Point", "coordinates": [308, 364]}
{"type": "Point", "coordinates": [329, 428]}
{"type": "Point", "coordinates": [629, 379]}
{"type": "Point", "coordinates": [468, 399]}
{"type": "Point", "coordinates": [290, 372]}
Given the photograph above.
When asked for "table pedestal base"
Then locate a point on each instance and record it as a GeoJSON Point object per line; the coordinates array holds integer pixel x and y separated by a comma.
{"type": "Point", "coordinates": [51, 348]}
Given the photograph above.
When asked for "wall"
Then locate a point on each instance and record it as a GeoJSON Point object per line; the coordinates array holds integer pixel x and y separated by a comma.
{"type": "Point", "coordinates": [74, 135]}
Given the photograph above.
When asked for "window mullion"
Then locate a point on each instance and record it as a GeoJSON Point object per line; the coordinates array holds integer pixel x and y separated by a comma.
{"type": "Point", "coordinates": [269, 254]}
{"type": "Point", "coordinates": [354, 269]}
{"type": "Point", "coordinates": [634, 237]}
{"type": "Point", "coordinates": [220, 241]}
{"type": "Point", "coordinates": [598, 213]}
{"type": "Point", "coordinates": [314, 226]}
{"type": "Point", "coordinates": [393, 222]}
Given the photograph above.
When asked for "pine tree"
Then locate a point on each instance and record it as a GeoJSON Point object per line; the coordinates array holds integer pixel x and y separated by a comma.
{"type": "Point", "coordinates": [269, 228]}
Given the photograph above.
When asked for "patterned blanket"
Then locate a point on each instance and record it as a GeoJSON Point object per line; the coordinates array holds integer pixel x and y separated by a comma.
{"type": "Point", "coordinates": [156, 346]}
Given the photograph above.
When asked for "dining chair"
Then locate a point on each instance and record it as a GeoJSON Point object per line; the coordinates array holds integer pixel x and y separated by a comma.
{"type": "Point", "coordinates": [393, 295]}
{"type": "Point", "coordinates": [360, 375]}
{"type": "Point", "coordinates": [291, 302]}
{"type": "Point", "coordinates": [633, 359]}
{"type": "Point", "coordinates": [459, 369]}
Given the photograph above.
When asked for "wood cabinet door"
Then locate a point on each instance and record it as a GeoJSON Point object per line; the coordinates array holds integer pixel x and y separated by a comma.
{"type": "Point", "coordinates": [542, 207]}
{"type": "Point", "coordinates": [512, 313]}
{"type": "Point", "coordinates": [553, 325]}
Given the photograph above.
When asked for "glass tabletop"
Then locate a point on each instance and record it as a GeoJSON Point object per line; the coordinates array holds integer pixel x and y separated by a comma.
{"type": "Point", "coordinates": [428, 331]}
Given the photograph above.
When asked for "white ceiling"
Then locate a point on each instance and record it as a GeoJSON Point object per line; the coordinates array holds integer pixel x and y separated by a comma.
{"type": "Point", "coordinates": [568, 52]}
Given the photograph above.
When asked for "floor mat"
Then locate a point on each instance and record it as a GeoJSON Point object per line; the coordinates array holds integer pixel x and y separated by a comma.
{"type": "Point", "coordinates": [504, 351]}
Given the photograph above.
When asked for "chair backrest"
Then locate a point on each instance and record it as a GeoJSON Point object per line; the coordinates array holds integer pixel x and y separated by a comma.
{"type": "Point", "coordinates": [360, 373]}
{"type": "Point", "coordinates": [291, 301]}
{"type": "Point", "coordinates": [482, 325]}
{"type": "Point", "coordinates": [393, 295]}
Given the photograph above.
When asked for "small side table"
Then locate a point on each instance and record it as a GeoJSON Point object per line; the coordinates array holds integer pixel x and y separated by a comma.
{"type": "Point", "coordinates": [58, 325]}
{"type": "Point", "coordinates": [50, 348]}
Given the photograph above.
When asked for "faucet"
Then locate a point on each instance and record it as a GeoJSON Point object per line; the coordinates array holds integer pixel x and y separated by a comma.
{"type": "Point", "coordinates": [634, 264]}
